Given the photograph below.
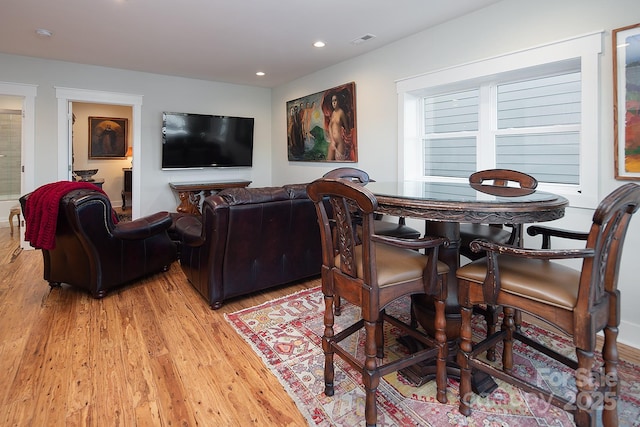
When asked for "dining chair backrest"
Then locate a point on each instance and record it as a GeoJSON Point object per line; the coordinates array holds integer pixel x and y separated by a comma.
{"type": "Point", "coordinates": [599, 276]}
{"type": "Point", "coordinates": [499, 182]}
{"type": "Point", "coordinates": [338, 232]}
{"type": "Point", "coordinates": [503, 178]}
{"type": "Point", "coordinates": [354, 174]}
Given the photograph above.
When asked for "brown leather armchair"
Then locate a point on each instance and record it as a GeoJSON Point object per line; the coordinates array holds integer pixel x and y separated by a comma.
{"type": "Point", "coordinates": [93, 253]}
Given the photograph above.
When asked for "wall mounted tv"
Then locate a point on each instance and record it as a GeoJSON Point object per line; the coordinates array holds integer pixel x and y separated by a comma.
{"type": "Point", "coordinates": [199, 141]}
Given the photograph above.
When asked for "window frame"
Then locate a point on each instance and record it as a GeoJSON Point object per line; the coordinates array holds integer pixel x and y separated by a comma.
{"type": "Point", "coordinates": [582, 51]}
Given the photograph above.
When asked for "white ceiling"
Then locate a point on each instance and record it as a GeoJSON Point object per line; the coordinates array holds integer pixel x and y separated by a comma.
{"type": "Point", "coordinates": [226, 41]}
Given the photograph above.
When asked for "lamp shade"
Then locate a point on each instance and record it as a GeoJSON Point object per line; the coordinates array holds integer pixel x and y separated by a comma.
{"type": "Point", "coordinates": [129, 151]}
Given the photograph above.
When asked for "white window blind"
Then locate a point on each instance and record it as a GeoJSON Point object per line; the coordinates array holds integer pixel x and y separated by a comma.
{"type": "Point", "coordinates": [451, 112]}
{"type": "Point", "coordinates": [451, 125]}
{"type": "Point", "coordinates": [538, 127]}
{"type": "Point", "coordinates": [551, 157]}
{"type": "Point", "coordinates": [453, 157]}
{"type": "Point", "coordinates": [536, 131]}
{"type": "Point", "coordinates": [545, 101]}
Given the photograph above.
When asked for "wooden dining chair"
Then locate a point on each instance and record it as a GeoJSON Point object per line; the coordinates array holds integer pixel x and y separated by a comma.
{"type": "Point", "coordinates": [381, 227]}
{"type": "Point", "coordinates": [491, 181]}
{"type": "Point", "coordinates": [371, 272]}
{"type": "Point", "coordinates": [578, 302]}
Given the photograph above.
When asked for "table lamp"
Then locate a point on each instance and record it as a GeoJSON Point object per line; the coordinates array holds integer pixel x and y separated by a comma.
{"type": "Point", "coordinates": [129, 154]}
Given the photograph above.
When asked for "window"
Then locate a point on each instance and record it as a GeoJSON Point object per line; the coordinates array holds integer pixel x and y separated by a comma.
{"type": "Point", "coordinates": [535, 111]}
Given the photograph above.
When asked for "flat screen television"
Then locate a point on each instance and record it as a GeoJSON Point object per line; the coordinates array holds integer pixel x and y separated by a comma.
{"type": "Point", "coordinates": [200, 140]}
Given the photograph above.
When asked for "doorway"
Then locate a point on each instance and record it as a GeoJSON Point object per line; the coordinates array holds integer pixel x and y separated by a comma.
{"type": "Point", "coordinates": [86, 154]}
{"type": "Point", "coordinates": [66, 98]}
{"type": "Point", "coordinates": [18, 101]}
{"type": "Point", "coordinates": [10, 148]}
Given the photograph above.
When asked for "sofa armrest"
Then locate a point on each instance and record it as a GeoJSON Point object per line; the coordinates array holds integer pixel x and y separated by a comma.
{"type": "Point", "coordinates": [144, 227]}
{"type": "Point", "coordinates": [189, 228]}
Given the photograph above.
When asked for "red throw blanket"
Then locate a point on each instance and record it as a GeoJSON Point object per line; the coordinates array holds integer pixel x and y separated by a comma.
{"type": "Point", "coordinates": [41, 211]}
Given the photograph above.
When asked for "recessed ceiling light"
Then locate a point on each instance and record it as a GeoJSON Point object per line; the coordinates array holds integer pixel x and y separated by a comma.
{"type": "Point", "coordinates": [319, 43]}
{"type": "Point", "coordinates": [260, 73]}
{"type": "Point", "coordinates": [43, 32]}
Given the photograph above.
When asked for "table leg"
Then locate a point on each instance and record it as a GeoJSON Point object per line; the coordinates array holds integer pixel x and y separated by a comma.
{"type": "Point", "coordinates": [424, 312]}
{"type": "Point", "coordinates": [450, 256]}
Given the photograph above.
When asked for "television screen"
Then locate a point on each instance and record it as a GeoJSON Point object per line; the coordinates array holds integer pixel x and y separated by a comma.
{"type": "Point", "coordinates": [199, 140]}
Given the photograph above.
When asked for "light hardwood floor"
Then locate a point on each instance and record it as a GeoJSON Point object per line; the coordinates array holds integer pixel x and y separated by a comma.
{"type": "Point", "coordinates": [150, 354]}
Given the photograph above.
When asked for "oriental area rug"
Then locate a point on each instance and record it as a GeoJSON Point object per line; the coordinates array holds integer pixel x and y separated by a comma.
{"type": "Point", "coordinates": [287, 334]}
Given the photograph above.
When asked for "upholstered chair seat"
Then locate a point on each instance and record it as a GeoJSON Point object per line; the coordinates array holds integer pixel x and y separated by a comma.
{"type": "Point", "coordinates": [539, 280]}
{"type": "Point", "coordinates": [394, 265]}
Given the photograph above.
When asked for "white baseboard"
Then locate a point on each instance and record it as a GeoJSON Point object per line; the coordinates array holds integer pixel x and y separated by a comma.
{"type": "Point", "coordinates": [5, 224]}
{"type": "Point", "coordinates": [629, 334]}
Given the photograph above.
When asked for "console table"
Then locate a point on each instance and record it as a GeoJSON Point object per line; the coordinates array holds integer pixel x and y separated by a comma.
{"type": "Point", "coordinates": [189, 192]}
{"type": "Point", "coordinates": [98, 182]}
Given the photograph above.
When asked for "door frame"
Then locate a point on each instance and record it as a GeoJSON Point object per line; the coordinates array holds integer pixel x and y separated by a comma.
{"type": "Point", "coordinates": [65, 97]}
{"type": "Point", "coordinates": [28, 93]}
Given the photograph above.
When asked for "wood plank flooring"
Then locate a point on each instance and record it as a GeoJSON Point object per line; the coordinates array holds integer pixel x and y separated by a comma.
{"type": "Point", "coordinates": [150, 354]}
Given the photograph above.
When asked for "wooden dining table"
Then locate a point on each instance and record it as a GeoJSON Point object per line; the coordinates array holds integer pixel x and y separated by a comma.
{"type": "Point", "coordinates": [444, 206]}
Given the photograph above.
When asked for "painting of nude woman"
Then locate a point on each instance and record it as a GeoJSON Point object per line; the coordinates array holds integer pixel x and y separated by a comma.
{"type": "Point", "coordinates": [322, 127]}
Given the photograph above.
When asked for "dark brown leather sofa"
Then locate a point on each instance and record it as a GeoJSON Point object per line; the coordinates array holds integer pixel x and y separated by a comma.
{"type": "Point", "coordinates": [249, 239]}
{"type": "Point", "coordinates": [93, 253]}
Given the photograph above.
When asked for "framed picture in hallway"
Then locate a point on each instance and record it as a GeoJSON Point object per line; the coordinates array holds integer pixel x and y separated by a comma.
{"type": "Point", "coordinates": [107, 138]}
{"type": "Point", "coordinates": [626, 101]}
{"type": "Point", "coordinates": [321, 127]}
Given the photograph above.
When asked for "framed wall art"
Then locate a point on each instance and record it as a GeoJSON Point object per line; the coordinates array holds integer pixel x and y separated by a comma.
{"type": "Point", "coordinates": [626, 101]}
{"type": "Point", "coordinates": [322, 127]}
{"type": "Point", "coordinates": [108, 138]}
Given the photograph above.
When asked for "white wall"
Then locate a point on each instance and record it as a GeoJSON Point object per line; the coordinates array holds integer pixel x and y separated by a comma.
{"type": "Point", "coordinates": [160, 93]}
{"type": "Point", "coordinates": [504, 27]}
